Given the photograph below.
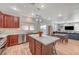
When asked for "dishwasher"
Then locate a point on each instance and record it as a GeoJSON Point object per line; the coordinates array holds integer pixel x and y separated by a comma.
{"type": "Point", "coordinates": [22, 38]}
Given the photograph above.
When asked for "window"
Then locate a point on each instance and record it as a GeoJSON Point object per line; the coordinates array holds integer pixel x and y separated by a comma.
{"type": "Point", "coordinates": [28, 27]}
{"type": "Point", "coordinates": [25, 27]}
{"type": "Point", "coordinates": [31, 27]}
{"type": "Point", "coordinates": [43, 27]}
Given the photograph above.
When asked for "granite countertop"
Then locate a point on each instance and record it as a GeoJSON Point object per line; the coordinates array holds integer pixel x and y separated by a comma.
{"type": "Point", "coordinates": [45, 39]}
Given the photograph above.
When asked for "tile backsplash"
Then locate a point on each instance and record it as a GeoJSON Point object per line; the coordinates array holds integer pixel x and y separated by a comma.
{"type": "Point", "coordinates": [9, 30]}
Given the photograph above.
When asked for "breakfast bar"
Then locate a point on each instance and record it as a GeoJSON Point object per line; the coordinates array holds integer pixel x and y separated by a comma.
{"type": "Point", "coordinates": [44, 45]}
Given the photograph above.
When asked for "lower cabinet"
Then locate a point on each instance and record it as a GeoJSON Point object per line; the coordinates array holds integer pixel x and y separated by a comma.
{"type": "Point", "coordinates": [31, 45]}
{"type": "Point", "coordinates": [47, 50]}
{"type": "Point", "coordinates": [27, 38]}
{"type": "Point", "coordinates": [38, 47]}
{"type": "Point", "coordinates": [12, 40]}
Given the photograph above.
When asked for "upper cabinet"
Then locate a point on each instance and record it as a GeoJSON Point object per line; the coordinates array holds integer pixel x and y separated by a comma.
{"type": "Point", "coordinates": [1, 20]}
{"type": "Point", "coordinates": [9, 21]}
{"type": "Point", "coordinates": [16, 22]}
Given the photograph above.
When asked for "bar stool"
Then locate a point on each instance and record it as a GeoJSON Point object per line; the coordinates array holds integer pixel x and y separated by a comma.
{"type": "Point", "coordinates": [64, 39]}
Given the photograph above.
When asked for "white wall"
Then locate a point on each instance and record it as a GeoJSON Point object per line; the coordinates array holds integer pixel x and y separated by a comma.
{"type": "Point", "coordinates": [76, 27]}
{"type": "Point", "coordinates": [62, 29]}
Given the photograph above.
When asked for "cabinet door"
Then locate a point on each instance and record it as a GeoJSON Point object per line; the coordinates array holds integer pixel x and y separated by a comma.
{"type": "Point", "coordinates": [12, 40]}
{"type": "Point", "coordinates": [1, 20]}
{"type": "Point", "coordinates": [15, 39]}
{"type": "Point", "coordinates": [31, 45]}
{"type": "Point", "coordinates": [38, 50]}
{"type": "Point", "coordinates": [11, 21]}
{"type": "Point", "coordinates": [16, 22]}
{"type": "Point", "coordinates": [8, 41]}
{"type": "Point", "coordinates": [7, 21]}
{"type": "Point", "coordinates": [47, 50]}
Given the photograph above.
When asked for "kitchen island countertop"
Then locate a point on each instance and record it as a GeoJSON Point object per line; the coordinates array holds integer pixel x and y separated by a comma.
{"type": "Point", "coordinates": [45, 39]}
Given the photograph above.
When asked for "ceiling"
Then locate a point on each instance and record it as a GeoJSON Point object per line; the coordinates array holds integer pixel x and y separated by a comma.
{"type": "Point", "coordinates": [49, 11]}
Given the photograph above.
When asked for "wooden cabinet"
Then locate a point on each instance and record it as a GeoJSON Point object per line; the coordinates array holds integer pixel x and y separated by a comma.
{"type": "Point", "coordinates": [16, 22]}
{"type": "Point", "coordinates": [1, 20]}
{"type": "Point", "coordinates": [31, 45]}
{"type": "Point", "coordinates": [27, 37]}
{"type": "Point", "coordinates": [47, 50]}
{"type": "Point", "coordinates": [11, 21]}
{"type": "Point", "coordinates": [8, 42]}
{"type": "Point", "coordinates": [12, 40]}
{"type": "Point", "coordinates": [8, 21]}
{"type": "Point", "coordinates": [38, 47]}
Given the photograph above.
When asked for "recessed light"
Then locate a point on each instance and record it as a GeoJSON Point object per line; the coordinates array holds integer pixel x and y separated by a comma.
{"type": "Point", "coordinates": [42, 6]}
{"type": "Point", "coordinates": [14, 8]}
{"type": "Point", "coordinates": [32, 14]}
{"type": "Point", "coordinates": [40, 20]}
{"type": "Point", "coordinates": [59, 15]}
{"type": "Point", "coordinates": [36, 19]}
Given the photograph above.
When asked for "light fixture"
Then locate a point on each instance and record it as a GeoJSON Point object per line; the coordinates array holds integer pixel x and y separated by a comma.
{"type": "Point", "coordinates": [40, 20]}
{"type": "Point", "coordinates": [32, 14]}
{"type": "Point", "coordinates": [36, 19]}
{"type": "Point", "coordinates": [42, 6]}
{"type": "Point", "coordinates": [14, 8]}
{"type": "Point", "coordinates": [59, 15]}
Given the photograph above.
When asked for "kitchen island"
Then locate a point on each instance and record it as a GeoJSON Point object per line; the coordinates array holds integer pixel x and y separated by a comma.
{"type": "Point", "coordinates": [44, 45]}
